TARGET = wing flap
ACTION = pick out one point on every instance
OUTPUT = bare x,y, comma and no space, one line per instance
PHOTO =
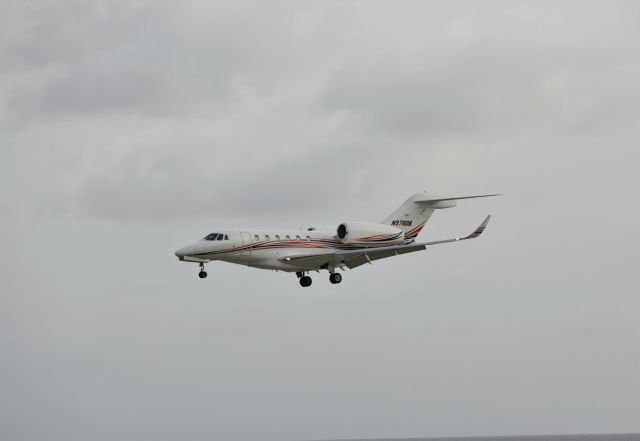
369,256
361,259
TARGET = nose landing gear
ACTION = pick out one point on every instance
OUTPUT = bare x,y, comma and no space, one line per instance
202,274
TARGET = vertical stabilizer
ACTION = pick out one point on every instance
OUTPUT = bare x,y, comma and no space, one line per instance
410,217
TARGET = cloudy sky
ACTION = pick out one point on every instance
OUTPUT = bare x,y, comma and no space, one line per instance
131,128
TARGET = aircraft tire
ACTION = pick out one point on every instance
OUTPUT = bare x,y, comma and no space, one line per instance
335,278
305,281
202,274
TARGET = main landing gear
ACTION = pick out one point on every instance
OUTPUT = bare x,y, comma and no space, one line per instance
306,280
202,274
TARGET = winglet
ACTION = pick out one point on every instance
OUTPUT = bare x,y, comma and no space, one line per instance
478,231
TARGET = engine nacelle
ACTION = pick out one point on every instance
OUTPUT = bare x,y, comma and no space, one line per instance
369,235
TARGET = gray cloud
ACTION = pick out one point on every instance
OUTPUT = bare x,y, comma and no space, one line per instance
130,129
142,58
479,77
175,187
106,58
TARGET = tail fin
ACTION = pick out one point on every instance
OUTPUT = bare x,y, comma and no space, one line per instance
411,216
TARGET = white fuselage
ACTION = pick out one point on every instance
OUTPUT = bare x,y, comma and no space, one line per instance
267,249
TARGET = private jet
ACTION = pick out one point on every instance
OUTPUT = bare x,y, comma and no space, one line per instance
349,245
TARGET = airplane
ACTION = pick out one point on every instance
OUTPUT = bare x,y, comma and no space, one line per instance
350,245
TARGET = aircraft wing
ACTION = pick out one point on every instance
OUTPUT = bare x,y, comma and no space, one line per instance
354,258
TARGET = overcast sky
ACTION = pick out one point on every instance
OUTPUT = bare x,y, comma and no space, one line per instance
131,128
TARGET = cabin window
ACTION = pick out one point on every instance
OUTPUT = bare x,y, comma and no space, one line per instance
266,237
308,238
288,237
277,237
257,237
297,237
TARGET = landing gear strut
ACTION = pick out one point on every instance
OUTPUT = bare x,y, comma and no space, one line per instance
335,278
202,274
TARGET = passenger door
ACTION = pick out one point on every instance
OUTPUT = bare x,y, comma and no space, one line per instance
246,241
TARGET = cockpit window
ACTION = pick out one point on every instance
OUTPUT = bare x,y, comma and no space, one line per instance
216,236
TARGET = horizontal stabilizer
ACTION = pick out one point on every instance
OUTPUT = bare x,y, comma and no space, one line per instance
432,201
439,199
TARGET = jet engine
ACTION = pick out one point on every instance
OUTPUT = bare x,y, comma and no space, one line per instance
369,235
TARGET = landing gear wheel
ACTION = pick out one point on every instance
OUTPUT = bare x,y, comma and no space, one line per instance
202,274
305,281
335,278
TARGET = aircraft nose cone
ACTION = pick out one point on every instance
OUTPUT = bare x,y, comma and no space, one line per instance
181,252
189,250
